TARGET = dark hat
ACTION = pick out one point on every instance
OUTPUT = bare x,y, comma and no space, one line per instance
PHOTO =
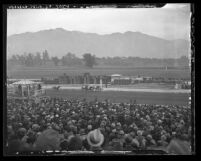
35,127
128,138
22,130
139,133
64,144
48,140
117,145
82,131
149,136
55,127
121,132
89,127
75,143
107,128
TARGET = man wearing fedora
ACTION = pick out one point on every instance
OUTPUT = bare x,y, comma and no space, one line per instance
95,139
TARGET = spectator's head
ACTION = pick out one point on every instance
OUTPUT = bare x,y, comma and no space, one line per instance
89,127
48,140
74,129
55,127
10,131
114,131
149,137
116,144
174,134
95,138
135,128
135,143
107,129
35,127
120,134
128,138
163,138
64,145
139,133
82,132
113,125
75,143
21,132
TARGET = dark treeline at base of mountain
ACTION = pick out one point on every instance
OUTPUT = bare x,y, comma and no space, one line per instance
71,60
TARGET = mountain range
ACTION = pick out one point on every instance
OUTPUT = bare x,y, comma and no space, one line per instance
59,42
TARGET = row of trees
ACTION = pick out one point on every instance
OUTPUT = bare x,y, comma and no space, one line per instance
143,62
30,59
89,60
39,59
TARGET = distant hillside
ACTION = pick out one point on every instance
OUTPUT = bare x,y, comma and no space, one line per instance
58,42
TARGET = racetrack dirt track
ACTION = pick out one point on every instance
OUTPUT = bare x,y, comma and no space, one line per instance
123,96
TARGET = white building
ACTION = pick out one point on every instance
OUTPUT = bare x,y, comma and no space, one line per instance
136,79
188,82
178,86
115,76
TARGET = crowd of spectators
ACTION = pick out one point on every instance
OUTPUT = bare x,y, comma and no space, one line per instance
66,124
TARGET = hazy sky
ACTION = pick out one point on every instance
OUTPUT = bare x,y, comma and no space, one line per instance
169,22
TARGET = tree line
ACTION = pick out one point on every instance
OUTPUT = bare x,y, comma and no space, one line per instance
89,60
40,59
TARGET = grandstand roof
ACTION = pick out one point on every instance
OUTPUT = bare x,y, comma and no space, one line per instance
116,75
24,82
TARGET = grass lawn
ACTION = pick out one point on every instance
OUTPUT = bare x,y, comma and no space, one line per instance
38,72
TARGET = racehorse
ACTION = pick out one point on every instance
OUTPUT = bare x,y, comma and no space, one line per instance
98,88
91,88
56,87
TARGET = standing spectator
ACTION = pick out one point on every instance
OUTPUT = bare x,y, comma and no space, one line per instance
95,139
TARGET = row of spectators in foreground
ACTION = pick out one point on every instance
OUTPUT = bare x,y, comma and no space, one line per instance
59,124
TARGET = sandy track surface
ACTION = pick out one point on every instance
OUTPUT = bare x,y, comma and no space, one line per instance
149,90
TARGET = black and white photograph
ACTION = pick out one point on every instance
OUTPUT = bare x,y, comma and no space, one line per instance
99,80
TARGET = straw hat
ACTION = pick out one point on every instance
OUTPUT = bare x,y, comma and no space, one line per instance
95,138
